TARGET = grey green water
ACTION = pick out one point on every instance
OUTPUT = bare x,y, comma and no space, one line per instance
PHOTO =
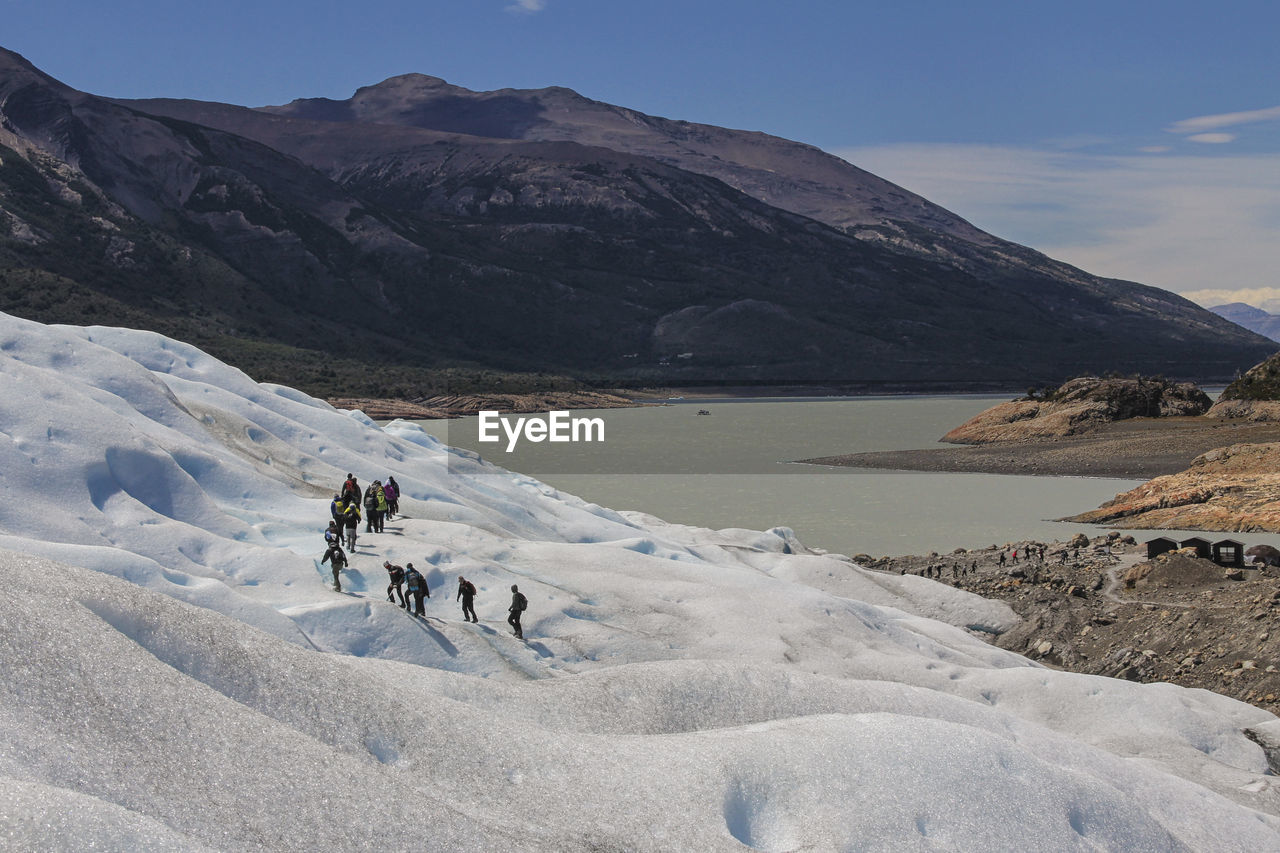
735,468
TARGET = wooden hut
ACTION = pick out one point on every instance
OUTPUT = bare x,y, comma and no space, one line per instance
1229,552
1204,548
1159,545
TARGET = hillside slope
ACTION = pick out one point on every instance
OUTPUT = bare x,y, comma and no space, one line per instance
399,245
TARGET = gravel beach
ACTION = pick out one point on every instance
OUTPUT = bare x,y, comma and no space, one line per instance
1137,449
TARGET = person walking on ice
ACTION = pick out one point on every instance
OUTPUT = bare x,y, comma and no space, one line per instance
518,605
417,586
396,575
337,558
466,593
351,519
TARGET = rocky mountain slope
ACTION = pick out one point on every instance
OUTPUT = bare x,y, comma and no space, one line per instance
573,237
1255,396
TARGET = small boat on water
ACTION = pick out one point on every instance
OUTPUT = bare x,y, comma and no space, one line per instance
703,412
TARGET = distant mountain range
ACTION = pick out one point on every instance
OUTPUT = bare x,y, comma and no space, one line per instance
1253,319
422,225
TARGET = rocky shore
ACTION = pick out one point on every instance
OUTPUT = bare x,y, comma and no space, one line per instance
458,405
1140,448
1099,606
1234,488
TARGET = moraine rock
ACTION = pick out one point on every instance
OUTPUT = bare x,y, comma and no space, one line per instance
1079,406
1232,489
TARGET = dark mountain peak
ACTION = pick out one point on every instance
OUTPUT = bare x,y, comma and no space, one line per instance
408,84
790,175
11,62
16,72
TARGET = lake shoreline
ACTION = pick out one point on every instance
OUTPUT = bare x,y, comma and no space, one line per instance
1137,449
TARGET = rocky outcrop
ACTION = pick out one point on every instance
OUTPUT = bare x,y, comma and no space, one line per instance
1079,406
1233,488
1185,620
1255,396
1246,410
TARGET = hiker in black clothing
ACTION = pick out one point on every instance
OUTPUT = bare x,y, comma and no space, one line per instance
518,605
370,510
333,536
351,518
350,490
338,559
467,592
417,586
397,580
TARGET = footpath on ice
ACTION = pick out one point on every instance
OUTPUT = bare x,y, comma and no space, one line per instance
177,661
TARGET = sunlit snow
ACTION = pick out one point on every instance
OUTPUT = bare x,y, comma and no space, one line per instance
179,674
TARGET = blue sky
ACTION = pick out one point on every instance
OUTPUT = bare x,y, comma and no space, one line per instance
1136,139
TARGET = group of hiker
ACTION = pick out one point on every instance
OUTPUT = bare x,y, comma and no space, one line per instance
381,502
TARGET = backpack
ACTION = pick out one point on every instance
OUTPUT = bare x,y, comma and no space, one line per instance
521,602
468,589
414,579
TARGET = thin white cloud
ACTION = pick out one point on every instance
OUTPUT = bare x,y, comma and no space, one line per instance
1212,138
1200,124
1183,223
1155,149
527,7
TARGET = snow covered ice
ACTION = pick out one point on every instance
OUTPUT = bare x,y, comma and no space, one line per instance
179,674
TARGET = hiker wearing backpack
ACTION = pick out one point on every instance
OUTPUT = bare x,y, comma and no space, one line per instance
350,489
392,491
518,605
380,504
467,592
337,558
417,585
350,520
396,574
336,508
370,509
333,536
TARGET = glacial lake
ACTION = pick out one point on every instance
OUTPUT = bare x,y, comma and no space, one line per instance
736,468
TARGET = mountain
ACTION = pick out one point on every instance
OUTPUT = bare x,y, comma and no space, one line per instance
181,675
1251,318
599,243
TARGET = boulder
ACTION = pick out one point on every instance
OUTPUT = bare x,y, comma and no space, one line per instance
1266,554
